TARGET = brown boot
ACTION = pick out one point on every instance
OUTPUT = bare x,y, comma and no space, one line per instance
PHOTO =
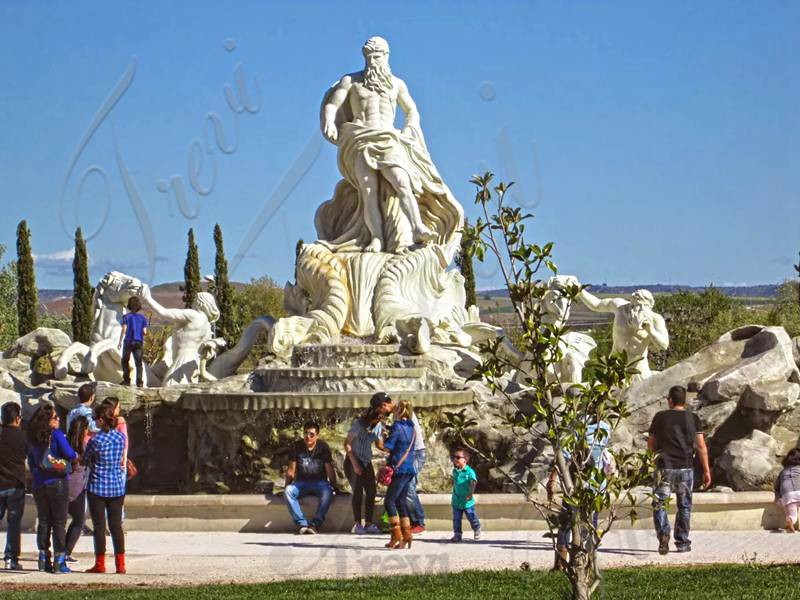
561,558
99,564
397,537
119,563
405,530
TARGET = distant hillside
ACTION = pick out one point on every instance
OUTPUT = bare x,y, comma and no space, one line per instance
749,291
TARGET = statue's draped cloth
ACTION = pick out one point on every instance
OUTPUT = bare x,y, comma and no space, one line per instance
340,221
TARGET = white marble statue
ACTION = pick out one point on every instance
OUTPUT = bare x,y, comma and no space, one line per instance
636,328
191,352
575,346
101,360
379,268
392,196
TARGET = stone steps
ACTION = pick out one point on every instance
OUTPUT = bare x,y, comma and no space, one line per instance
351,356
257,401
338,379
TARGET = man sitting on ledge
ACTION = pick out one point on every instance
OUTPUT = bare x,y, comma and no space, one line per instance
310,473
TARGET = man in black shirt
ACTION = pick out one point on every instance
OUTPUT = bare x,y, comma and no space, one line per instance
310,473
674,436
12,480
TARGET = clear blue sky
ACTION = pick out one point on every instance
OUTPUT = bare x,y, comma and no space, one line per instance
656,142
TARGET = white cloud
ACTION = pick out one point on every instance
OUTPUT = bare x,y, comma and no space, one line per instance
57,257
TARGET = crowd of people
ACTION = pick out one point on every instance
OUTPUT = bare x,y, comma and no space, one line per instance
86,466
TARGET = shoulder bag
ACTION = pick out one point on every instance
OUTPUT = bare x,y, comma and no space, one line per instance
385,473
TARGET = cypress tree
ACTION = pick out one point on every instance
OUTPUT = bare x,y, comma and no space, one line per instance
82,313
226,325
297,249
27,296
191,272
464,263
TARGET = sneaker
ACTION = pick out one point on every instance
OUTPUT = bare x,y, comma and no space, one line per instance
476,535
358,529
663,544
310,530
372,529
684,548
418,529
456,539
301,530
70,559
11,564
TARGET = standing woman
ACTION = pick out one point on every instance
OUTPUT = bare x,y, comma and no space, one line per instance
401,449
78,437
49,457
364,432
104,454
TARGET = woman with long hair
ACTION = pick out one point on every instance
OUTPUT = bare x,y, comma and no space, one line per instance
104,455
400,445
78,437
49,458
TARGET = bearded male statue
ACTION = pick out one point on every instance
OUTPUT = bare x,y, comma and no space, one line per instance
392,198
637,327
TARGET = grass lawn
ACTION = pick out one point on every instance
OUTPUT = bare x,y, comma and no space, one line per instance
717,582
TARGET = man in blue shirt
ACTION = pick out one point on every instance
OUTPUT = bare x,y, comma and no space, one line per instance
134,328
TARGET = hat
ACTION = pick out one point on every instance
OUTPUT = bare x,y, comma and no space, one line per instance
378,399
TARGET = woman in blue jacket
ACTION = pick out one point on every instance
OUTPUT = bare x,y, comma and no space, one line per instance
49,459
401,449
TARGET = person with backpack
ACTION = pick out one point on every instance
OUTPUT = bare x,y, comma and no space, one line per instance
50,458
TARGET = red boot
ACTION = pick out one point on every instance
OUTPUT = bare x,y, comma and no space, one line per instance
119,562
99,564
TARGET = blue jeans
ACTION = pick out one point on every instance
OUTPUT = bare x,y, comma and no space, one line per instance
415,509
296,490
396,499
681,482
12,502
458,513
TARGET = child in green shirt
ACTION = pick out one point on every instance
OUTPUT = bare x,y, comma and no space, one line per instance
463,499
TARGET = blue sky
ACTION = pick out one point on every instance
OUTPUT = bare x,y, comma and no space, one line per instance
654,142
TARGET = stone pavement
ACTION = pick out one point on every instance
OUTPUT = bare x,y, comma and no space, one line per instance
175,558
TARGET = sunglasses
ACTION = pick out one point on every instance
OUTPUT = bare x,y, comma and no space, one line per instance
310,434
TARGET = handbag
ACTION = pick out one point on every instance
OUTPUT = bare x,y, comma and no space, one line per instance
131,469
385,473
56,466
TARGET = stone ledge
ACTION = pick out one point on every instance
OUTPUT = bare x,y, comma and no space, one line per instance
255,513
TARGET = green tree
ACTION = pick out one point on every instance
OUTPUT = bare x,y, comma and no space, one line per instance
27,295
82,293
298,248
259,298
191,272
464,263
223,292
8,302
544,409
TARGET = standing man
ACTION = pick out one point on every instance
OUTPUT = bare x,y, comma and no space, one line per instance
12,481
310,473
134,328
674,435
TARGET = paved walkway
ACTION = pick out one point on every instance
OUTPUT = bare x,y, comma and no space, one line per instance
166,559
